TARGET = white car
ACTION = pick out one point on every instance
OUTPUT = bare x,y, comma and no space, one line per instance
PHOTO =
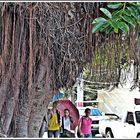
126,127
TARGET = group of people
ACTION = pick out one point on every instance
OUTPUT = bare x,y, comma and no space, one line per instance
61,126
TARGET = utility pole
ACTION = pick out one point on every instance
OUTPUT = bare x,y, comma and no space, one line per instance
80,92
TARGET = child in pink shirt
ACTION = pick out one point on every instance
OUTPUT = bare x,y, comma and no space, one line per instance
85,125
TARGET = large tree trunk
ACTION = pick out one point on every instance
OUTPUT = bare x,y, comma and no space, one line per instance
39,103
22,105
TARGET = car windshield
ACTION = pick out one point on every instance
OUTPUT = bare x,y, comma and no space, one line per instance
94,112
137,116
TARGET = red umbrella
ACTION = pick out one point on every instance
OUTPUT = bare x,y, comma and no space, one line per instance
74,113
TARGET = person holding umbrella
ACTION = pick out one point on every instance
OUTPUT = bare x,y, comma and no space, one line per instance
84,127
72,113
66,124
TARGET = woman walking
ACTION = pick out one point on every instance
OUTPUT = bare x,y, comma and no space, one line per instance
66,125
54,122
84,127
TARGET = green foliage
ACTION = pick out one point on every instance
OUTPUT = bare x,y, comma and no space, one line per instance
129,20
98,26
123,26
86,72
99,19
106,12
122,16
114,5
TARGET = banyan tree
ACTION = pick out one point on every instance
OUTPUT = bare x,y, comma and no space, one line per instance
43,47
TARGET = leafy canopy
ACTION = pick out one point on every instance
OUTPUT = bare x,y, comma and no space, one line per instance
117,16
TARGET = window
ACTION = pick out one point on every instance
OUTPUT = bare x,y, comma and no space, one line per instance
130,118
137,113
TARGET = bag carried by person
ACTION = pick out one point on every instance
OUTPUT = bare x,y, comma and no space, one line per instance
66,133
78,134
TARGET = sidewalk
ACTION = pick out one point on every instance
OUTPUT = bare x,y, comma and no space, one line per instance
46,135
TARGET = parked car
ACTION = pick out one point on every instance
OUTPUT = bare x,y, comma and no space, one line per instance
96,115
126,127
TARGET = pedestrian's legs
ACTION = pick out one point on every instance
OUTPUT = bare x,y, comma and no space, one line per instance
50,134
56,134
88,136
85,135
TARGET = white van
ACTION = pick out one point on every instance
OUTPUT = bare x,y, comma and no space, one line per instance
126,127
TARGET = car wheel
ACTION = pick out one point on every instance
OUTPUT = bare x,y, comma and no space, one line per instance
138,136
109,134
